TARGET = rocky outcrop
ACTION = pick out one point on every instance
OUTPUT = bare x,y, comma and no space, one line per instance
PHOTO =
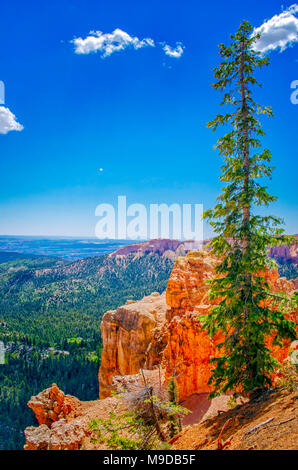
52,408
52,404
61,436
186,289
71,430
188,348
161,334
132,339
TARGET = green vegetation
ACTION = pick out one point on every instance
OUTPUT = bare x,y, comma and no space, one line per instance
175,424
288,379
147,422
26,372
247,313
48,303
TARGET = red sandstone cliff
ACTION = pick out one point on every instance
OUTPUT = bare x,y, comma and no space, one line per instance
188,348
133,338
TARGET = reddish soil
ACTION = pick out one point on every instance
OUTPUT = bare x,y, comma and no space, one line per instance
269,422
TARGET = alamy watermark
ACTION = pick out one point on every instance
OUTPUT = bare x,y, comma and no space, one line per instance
2,92
137,222
294,94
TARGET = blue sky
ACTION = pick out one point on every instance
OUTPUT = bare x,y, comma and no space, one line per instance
139,113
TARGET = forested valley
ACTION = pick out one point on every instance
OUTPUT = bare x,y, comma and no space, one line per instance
50,314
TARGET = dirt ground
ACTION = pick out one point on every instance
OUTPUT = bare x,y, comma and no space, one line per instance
266,423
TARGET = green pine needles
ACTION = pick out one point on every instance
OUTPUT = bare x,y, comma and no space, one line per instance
247,312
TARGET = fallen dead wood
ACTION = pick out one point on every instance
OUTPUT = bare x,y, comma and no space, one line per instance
221,445
255,428
283,422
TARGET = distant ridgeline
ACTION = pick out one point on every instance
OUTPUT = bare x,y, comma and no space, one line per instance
49,300
50,314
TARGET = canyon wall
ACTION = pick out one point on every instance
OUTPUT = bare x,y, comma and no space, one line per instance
188,348
167,330
132,338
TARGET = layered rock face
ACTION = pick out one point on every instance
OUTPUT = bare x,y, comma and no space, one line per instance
186,289
159,330
132,339
134,336
188,348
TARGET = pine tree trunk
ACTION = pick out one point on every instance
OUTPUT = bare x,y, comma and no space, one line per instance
246,209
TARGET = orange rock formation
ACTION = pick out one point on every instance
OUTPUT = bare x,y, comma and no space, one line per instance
52,404
61,436
188,348
134,337
131,339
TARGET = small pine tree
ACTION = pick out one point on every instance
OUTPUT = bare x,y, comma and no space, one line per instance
151,416
247,312
174,419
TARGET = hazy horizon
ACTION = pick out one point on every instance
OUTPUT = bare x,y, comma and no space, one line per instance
87,125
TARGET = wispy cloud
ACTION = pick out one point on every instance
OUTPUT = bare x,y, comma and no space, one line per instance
108,43
174,51
280,32
8,121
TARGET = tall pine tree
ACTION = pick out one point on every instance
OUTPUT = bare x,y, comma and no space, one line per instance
247,313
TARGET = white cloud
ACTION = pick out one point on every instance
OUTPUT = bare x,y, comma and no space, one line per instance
119,40
174,51
280,32
8,121
108,43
